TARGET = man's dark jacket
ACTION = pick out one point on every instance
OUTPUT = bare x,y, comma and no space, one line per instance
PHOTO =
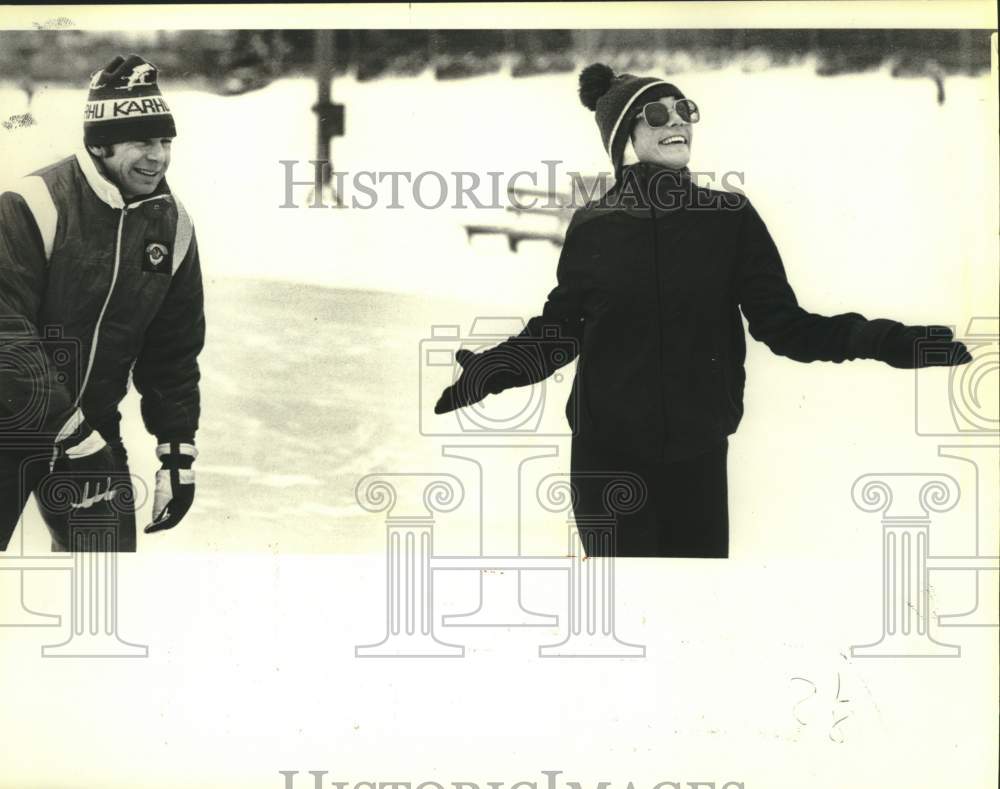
92,288
651,281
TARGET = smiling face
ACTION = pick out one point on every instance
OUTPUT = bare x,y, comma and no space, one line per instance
137,167
668,145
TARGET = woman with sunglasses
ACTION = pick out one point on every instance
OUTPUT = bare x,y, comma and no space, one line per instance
651,283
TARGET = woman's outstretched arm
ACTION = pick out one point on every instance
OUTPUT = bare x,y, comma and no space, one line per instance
776,318
549,341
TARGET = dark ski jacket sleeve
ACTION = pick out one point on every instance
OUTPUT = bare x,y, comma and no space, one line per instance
30,387
772,311
550,340
166,372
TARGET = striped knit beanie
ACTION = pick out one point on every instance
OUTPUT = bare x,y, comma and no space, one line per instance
614,98
125,104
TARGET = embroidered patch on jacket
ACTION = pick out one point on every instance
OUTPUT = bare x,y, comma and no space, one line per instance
157,258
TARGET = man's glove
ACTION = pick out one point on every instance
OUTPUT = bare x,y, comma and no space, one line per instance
477,380
174,485
895,344
76,445
87,498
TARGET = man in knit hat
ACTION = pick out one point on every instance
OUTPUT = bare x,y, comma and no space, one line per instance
651,295
100,283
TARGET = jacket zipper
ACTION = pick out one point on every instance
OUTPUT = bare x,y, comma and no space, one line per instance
659,327
107,299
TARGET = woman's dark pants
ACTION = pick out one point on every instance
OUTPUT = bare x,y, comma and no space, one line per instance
685,512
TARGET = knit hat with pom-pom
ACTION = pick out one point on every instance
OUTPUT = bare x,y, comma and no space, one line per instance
614,98
125,103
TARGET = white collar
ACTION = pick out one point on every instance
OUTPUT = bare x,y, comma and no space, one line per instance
102,187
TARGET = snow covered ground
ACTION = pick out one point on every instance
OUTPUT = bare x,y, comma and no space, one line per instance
880,200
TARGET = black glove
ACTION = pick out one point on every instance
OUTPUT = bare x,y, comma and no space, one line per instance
895,344
174,485
472,385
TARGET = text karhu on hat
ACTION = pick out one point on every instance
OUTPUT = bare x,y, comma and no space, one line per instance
125,104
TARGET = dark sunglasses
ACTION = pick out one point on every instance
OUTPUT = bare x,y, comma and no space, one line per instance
656,114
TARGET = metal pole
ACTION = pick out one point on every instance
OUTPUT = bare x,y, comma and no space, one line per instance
324,76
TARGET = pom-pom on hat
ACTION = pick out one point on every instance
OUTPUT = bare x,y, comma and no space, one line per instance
125,103
613,98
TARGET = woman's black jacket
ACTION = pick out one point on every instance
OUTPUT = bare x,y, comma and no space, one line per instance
651,281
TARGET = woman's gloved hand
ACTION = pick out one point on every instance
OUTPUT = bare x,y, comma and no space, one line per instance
472,385
895,344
